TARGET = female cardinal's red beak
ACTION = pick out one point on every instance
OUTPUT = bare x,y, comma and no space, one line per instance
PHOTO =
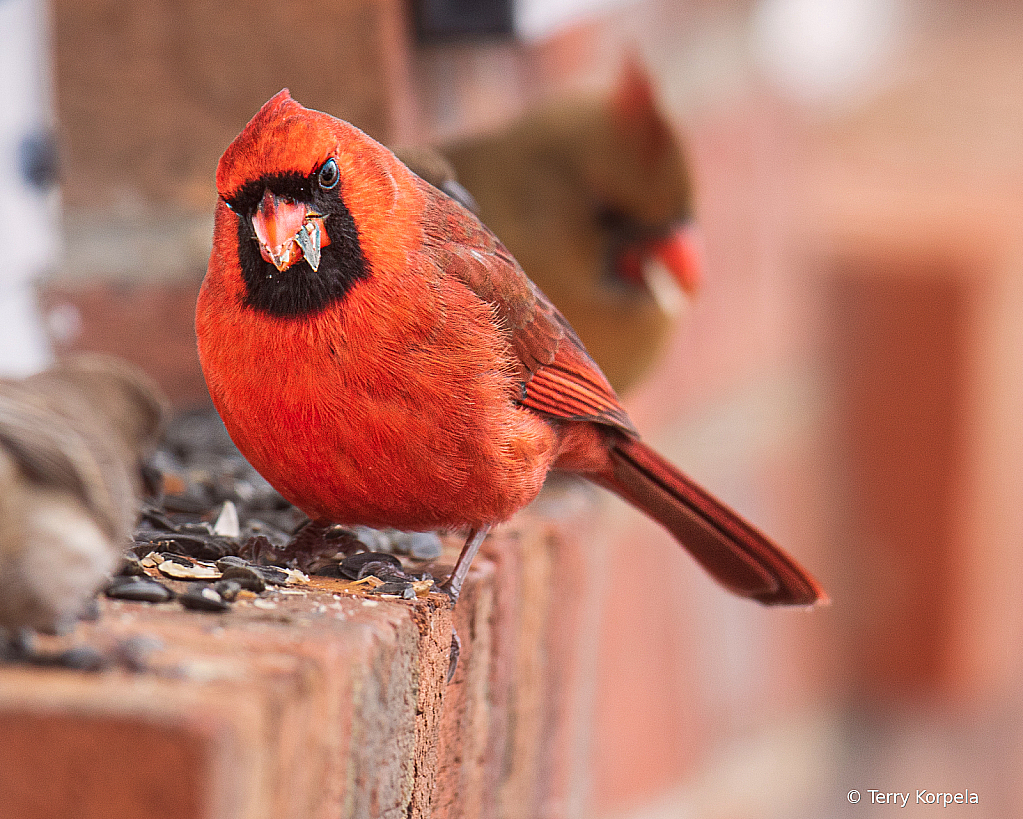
288,231
681,253
679,267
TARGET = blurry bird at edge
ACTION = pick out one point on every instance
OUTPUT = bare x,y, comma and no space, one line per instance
72,439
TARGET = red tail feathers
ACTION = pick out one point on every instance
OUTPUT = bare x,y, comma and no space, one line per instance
736,554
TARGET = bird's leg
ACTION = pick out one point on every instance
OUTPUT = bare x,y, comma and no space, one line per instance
453,585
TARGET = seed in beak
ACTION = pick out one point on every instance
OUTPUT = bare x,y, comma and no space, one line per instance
308,238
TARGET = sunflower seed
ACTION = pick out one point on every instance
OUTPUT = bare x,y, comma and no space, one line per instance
227,521
228,589
197,571
399,589
246,576
132,566
358,566
202,597
140,589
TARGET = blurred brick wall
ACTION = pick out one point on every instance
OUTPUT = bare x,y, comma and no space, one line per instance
901,348
914,210
880,445
150,93
148,96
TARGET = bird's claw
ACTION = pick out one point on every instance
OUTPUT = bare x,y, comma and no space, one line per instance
456,651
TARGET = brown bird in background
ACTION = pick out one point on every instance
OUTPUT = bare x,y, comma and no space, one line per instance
72,440
586,194
429,164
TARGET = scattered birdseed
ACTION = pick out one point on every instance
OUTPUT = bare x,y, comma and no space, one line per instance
202,597
373,540
360,565
174,557
422,587
329,570
246,576
227,524
139,589
403,590
273,574
454,653
191,571
228,589
419,545
131,566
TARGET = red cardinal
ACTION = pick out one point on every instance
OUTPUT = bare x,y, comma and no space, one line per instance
381,359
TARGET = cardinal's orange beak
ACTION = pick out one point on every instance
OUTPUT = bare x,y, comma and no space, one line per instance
288,231
665,265
681,253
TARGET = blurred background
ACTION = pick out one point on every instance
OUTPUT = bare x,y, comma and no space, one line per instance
850,376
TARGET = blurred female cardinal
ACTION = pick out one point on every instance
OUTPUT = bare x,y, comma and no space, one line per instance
593,197
381,359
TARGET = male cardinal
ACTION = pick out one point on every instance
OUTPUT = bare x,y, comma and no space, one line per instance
379,356
594,198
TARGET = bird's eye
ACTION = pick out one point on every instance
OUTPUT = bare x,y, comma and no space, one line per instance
611,218
328,175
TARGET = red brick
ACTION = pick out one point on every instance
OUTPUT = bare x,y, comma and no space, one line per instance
151,324
285,713
148,96
468,709
515,739
325,705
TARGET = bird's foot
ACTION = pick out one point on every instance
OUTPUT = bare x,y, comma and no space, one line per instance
456,650
452,587
446,588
